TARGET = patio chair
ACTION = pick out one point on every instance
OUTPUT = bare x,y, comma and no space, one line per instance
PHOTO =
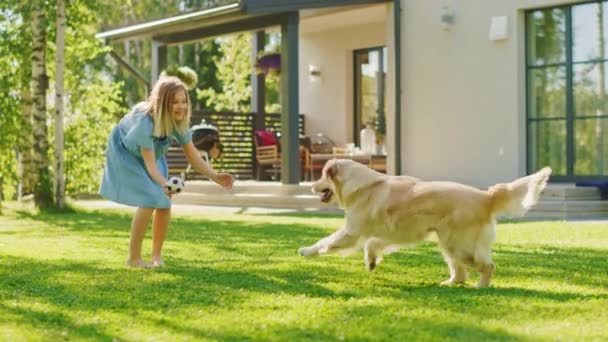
266,153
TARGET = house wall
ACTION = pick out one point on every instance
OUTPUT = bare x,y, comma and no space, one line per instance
463,99
328,103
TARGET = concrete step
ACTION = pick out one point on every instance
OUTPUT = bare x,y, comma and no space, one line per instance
556,192
298,201
557,202
249,187
570,192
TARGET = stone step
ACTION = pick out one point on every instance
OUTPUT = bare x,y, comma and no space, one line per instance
558,202
300,202
556,192
249,187
570,192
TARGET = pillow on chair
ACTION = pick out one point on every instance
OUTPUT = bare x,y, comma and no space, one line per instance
266,138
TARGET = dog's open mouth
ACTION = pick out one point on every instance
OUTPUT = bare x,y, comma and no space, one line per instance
326,195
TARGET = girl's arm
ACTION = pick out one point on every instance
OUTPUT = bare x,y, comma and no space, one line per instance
194,157
150,161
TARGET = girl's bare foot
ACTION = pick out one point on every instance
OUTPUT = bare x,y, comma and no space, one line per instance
158,263
139,263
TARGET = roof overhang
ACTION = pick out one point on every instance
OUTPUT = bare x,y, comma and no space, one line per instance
235,16
207,17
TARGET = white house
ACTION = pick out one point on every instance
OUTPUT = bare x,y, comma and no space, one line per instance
477,91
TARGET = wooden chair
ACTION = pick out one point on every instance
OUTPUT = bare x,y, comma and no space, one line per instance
177,163
266,156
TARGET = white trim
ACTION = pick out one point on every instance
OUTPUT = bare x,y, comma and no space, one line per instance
167,21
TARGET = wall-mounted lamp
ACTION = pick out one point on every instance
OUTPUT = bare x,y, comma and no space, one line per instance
314,73
447,15
499,28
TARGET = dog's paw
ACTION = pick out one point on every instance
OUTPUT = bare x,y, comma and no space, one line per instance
371,265
308,251
451,282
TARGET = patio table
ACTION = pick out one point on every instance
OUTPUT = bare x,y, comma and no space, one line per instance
373,161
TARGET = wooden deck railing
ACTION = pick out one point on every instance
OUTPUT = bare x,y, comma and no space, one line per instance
236,134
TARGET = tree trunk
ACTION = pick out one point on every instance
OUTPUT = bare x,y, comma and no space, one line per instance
26,172
197,66
59,136
43,189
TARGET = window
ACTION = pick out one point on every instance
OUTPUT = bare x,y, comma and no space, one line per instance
567,104
370,95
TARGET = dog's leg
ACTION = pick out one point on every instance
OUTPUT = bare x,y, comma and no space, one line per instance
485,267
458,272
341,240
373,252
483,255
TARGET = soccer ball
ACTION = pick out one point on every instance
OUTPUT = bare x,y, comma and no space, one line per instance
174,185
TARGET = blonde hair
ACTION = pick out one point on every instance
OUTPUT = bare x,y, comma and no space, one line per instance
159,106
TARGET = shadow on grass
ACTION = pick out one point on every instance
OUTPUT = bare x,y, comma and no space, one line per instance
54,321
111,224
580,266
85,288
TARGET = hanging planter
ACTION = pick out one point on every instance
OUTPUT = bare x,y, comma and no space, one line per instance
270,63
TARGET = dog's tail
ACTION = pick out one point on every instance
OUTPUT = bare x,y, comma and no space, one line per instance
517,197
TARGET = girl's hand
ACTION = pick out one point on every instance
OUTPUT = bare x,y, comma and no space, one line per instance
225,179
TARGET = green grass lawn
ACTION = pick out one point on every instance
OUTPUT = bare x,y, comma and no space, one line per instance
238,277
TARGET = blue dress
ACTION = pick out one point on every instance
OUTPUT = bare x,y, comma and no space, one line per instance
125,178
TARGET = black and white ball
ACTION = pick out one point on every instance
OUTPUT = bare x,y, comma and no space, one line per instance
174,185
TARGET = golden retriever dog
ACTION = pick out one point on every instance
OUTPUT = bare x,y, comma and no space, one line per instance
385,213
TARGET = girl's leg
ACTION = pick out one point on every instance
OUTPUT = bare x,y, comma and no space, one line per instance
140,223
159,233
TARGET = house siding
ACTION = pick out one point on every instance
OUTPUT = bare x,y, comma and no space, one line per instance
463,96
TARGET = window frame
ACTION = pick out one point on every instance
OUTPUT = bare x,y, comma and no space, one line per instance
570,110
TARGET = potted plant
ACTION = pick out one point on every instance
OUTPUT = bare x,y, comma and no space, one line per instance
268,62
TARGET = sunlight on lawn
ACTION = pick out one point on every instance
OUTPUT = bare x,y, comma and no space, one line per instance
238,277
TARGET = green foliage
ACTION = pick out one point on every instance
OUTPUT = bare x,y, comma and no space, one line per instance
84,146
184,73
93,101
15,68
238,277
234,70
92,98
273,80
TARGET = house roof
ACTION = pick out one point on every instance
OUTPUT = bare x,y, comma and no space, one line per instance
228,16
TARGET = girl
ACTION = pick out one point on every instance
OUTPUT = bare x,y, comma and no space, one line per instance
136,169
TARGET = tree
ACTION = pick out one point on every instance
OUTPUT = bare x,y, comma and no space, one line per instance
15,51
42,190
234,69
59,134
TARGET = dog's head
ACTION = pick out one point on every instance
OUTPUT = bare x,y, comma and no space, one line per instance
327,185
342,180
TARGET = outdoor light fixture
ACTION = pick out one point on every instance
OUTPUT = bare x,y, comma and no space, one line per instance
447,15
499,28
314,73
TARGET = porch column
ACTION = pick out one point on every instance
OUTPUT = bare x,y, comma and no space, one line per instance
397,73
290,105
258,82
159,60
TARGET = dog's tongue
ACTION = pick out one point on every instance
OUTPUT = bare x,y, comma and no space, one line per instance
326,195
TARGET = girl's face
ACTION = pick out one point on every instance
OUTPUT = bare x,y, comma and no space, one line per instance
179,105
214,152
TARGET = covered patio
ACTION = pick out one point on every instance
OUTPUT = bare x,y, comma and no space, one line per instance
257,16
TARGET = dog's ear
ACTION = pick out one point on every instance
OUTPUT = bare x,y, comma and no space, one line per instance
332,169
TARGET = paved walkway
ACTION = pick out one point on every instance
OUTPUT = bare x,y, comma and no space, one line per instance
190,209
